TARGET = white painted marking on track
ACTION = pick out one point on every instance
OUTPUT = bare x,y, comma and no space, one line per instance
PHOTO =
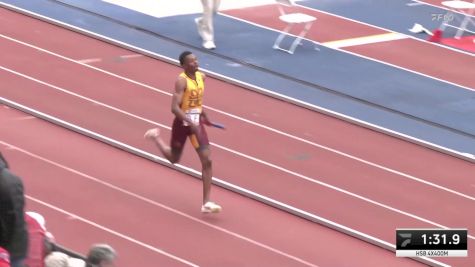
24,118
364,40
246,120
147,200
72,218
90,60
233,64
131,56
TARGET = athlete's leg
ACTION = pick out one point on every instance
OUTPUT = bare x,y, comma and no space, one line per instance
205,23
207,174
201,144
206,171
171,153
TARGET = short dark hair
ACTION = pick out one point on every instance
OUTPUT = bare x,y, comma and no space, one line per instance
182,57
99,253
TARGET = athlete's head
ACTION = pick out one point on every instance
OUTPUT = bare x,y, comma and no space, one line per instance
188,61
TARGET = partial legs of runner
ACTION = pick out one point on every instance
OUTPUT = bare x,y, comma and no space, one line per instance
172,155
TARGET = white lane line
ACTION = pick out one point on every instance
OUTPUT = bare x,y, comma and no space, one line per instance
282,169
152,202
113,232
233,116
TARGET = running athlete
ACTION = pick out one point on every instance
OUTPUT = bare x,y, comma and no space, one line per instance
189,122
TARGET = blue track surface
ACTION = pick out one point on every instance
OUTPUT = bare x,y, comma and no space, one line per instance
389,14
392,98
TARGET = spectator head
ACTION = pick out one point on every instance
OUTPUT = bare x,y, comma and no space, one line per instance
59,259
101,255
74,262
56,259
4,258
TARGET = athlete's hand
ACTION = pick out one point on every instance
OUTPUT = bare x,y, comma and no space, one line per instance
204,119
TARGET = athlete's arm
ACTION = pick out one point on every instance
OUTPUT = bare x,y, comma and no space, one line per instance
180,86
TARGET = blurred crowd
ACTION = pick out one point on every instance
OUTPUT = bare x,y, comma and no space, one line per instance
24,239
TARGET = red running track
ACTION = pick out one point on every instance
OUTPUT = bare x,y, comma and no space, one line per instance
388,186
90,192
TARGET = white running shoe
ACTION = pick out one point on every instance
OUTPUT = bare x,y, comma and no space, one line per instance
210,207
152,133
209,45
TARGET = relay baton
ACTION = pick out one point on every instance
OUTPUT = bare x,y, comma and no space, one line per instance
217,125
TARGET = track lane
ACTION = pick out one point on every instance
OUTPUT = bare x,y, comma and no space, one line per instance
47,182
65,78
130,215
389,185
370,146
79,236
82,85
271,182
316,130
